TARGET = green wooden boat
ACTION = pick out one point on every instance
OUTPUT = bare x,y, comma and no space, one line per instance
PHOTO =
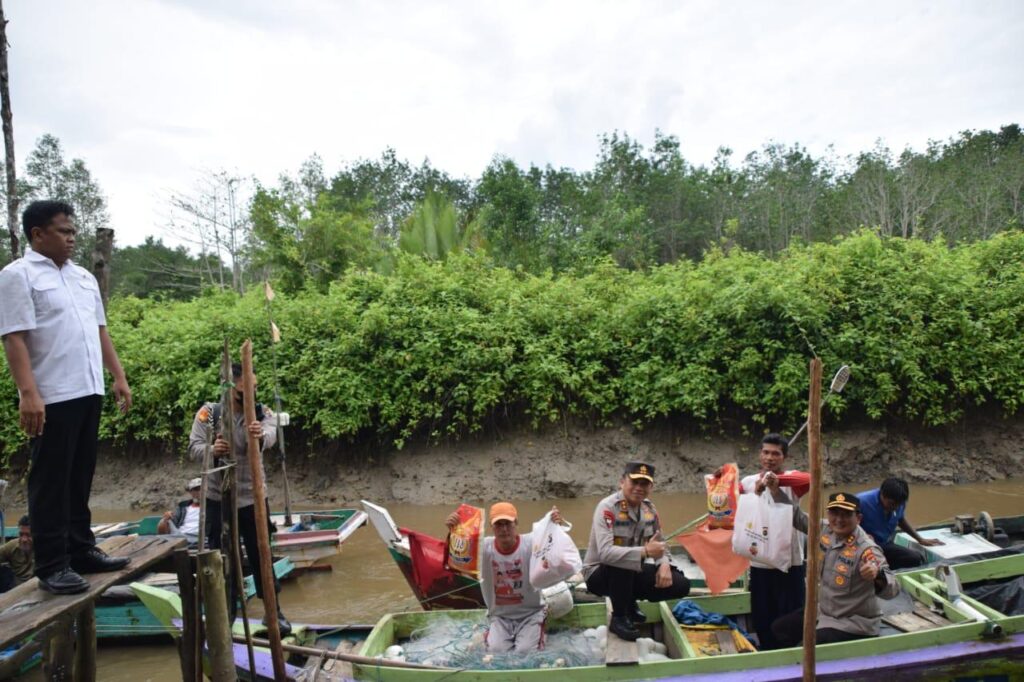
968,641
166,607
313,536
963,649
121,614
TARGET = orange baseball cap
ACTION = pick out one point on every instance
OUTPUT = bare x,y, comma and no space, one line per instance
503,511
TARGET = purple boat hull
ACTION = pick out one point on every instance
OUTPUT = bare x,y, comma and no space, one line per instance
960,659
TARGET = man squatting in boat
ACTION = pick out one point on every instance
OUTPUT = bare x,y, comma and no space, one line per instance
264,428
853,572
626,558
516,613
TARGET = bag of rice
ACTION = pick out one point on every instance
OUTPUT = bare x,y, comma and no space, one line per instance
723,496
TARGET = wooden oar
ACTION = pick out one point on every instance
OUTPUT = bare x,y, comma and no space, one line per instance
338,656
814,513
259,496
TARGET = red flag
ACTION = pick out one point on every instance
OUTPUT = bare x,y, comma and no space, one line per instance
711,548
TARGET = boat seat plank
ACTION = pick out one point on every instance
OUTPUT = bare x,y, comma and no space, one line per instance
725,642
619,651
924,612
908,622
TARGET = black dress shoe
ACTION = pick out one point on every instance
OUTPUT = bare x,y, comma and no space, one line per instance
636,616
623,629
96,560
64,581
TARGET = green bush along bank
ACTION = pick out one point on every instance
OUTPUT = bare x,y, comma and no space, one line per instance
437,349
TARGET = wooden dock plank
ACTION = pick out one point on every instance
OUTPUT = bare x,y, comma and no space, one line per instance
27,608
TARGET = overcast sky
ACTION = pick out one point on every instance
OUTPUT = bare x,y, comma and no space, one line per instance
152,92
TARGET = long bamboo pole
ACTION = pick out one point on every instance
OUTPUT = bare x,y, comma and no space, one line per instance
814,513
233,578
259,496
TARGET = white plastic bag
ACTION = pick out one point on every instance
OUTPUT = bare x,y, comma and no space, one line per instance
763,531
558,598
555,556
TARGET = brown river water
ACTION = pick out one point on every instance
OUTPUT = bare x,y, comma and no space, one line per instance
364,583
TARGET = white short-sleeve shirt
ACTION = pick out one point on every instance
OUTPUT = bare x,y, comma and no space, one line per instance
62,312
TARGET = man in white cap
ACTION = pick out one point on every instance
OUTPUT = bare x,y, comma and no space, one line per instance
184,520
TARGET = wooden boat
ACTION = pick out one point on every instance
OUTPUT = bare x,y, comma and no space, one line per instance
312,537
967,537
121,614
166,607
419,557
927,635
951,642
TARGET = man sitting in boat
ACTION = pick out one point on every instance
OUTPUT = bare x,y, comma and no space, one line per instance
515,609
16,558
884,508
626,559
853,572
184,521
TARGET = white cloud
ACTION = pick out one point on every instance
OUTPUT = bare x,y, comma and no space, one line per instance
149,93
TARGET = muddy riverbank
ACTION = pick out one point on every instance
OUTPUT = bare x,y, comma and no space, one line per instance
573,461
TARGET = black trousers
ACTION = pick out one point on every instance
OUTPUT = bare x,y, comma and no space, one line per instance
901,557
789,631
246,534
63,461
774,594
624,587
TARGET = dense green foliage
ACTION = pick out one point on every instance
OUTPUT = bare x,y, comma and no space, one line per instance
449,347
645,207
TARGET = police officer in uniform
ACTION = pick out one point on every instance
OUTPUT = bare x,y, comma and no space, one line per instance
626,558
853,573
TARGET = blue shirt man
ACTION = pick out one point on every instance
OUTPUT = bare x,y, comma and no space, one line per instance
883,510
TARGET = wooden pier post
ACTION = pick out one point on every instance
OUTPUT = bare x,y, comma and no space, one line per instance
60,652
191,663
85,648
259,496
218,628
814,513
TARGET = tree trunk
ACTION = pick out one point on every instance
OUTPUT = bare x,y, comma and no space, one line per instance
5,114
102,251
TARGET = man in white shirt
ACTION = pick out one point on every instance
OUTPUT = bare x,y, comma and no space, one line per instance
774,593
56,342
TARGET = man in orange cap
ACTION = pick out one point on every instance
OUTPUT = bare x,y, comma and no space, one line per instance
515,609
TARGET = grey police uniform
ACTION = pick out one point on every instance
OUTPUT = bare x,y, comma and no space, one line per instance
619,533
846,601
614,566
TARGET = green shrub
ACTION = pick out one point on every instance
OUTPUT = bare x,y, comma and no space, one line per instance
438,349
